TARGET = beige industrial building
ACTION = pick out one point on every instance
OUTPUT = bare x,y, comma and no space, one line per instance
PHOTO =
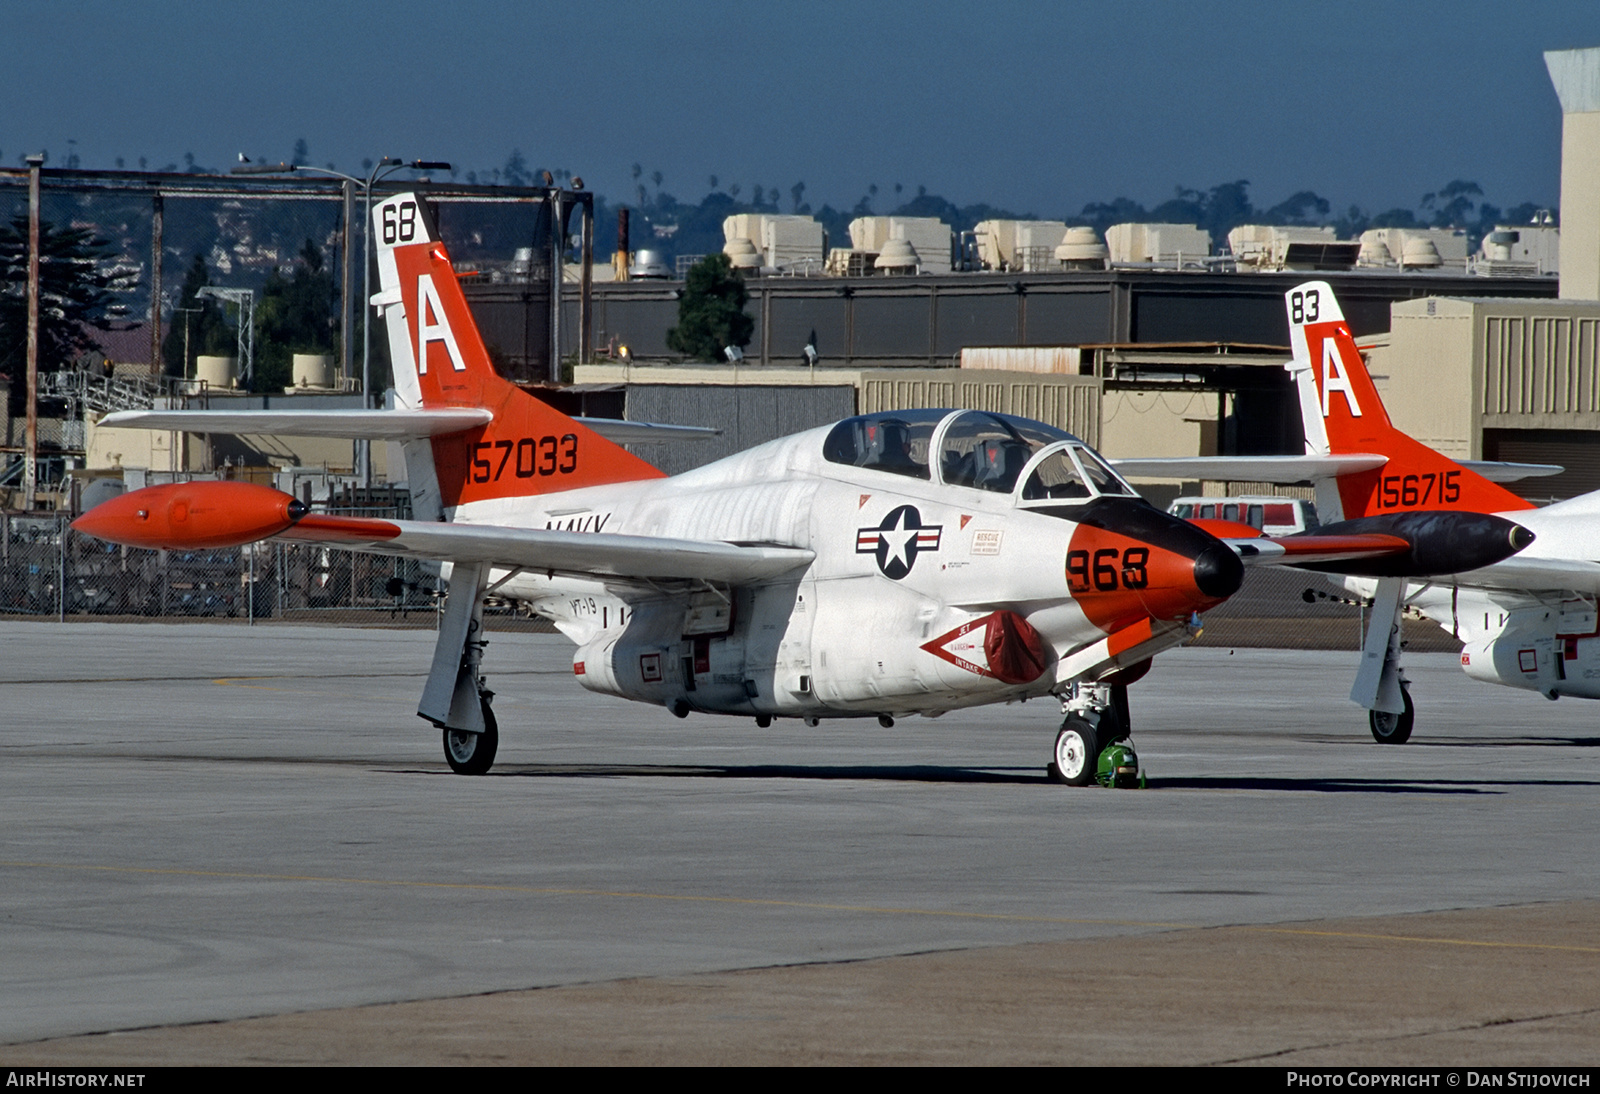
1477,376
1071,402
1137,244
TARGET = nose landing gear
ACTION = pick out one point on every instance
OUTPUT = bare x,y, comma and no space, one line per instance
1092,745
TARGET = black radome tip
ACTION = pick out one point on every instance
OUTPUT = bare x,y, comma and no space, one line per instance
1218,571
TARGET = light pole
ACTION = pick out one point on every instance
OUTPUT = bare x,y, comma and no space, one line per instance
186,313
30,456
383,167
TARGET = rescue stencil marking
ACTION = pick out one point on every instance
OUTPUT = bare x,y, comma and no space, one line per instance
986,541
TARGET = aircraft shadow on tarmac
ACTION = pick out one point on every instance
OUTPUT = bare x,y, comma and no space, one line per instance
929,773
1455,787
921,773
1505,742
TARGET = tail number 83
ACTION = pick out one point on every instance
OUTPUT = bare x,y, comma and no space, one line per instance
1303,307
1108,569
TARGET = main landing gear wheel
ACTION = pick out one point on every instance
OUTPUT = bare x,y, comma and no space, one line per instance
473,753
1076,753
1393,729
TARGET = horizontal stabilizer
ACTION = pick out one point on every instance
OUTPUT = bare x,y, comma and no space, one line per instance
1501,471
1289,469
1248,468
621,432
376,425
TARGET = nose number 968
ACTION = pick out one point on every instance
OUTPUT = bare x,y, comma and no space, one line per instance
1107,569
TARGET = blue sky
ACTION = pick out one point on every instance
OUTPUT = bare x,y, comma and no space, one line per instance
1038,107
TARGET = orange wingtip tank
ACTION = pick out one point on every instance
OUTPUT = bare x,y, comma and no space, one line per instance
191,515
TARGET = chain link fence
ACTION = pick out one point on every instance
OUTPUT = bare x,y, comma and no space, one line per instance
1295,609
49,572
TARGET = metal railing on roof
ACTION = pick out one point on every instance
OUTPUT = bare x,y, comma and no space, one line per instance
83,390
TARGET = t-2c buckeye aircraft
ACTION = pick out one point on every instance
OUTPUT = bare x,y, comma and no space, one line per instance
1525,622
900,563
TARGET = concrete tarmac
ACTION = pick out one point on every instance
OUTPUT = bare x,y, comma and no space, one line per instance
249,828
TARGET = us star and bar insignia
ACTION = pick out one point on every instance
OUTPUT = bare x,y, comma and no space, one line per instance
898,541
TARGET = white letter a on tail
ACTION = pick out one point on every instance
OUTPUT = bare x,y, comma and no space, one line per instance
432,326
1334,378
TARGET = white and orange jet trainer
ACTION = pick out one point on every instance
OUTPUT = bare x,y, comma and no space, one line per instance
900,563
1526,622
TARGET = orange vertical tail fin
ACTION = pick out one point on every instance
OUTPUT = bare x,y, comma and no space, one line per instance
440,361
1342,415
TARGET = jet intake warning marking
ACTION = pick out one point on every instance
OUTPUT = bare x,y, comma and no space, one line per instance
898,540
1001,646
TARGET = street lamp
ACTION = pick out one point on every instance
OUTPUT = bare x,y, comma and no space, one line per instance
383,167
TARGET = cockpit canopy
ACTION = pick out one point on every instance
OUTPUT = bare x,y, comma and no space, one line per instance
977,449
1070,472
896,442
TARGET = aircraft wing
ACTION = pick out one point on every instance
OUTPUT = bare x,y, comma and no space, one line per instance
1305,550
1409,544
376,425
222,514
1530,575
595,553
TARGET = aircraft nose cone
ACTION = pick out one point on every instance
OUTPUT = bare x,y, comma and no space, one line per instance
1218,572
1520,537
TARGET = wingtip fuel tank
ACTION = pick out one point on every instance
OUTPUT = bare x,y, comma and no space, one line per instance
183,516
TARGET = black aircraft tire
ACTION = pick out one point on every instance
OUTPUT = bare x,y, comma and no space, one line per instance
1393,729
473,753
1075,755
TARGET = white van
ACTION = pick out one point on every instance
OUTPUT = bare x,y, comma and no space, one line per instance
1273,516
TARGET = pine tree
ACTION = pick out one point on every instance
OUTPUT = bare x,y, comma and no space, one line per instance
711,311
73,297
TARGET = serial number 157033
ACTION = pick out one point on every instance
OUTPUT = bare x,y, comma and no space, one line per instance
533,456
